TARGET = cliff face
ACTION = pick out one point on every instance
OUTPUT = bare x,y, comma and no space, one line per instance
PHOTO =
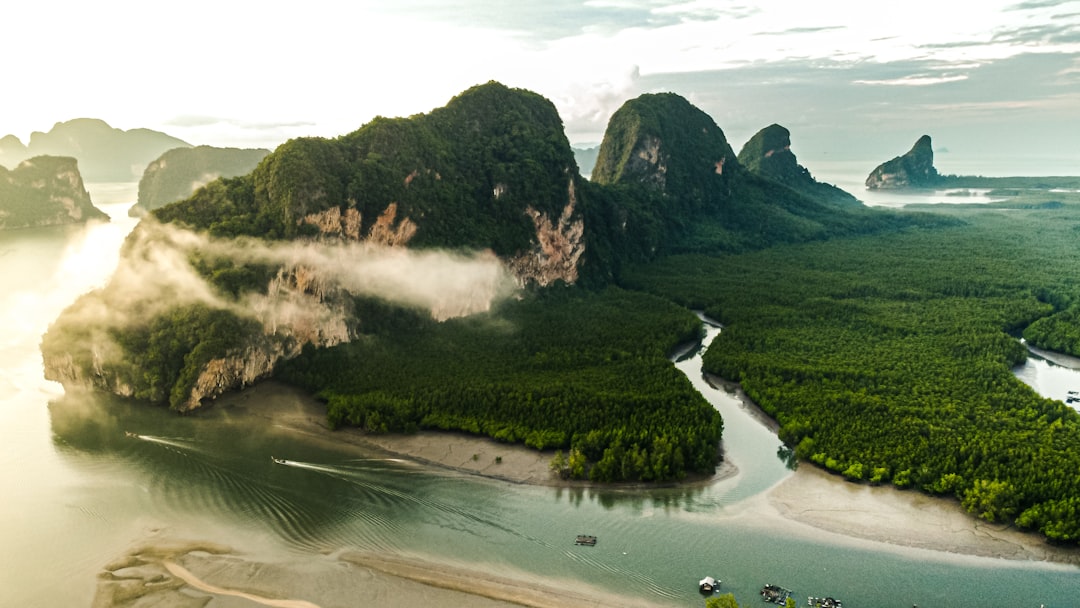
768,153
45,191
105,154
176,174
915,169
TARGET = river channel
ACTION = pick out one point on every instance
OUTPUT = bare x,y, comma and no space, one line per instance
79,491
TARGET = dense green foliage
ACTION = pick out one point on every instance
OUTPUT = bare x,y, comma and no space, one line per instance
165,352
768,154
567,369
465,174
887,359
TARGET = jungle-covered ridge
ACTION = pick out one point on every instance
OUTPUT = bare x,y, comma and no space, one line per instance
835,315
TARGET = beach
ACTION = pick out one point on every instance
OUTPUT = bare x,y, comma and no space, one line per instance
809,502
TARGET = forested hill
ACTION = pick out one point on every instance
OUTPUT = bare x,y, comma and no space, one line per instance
176,174
768,153
444,215
45,191
670,161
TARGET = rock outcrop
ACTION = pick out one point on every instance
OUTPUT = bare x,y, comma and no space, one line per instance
45,191
768,153
915,169
105,154
178,173
663,142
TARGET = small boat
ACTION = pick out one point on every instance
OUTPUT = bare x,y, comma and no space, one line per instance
824,602
278,460
775,594
708,585
582,539
129,434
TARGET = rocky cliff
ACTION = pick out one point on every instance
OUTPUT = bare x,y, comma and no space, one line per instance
768,153
176,174
45,191
915,169
105,154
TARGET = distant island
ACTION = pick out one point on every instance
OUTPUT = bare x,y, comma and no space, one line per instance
915,169
105,154
45,191
177,173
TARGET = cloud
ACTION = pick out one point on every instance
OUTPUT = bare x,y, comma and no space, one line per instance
809,30
915,80
1038,4
155,272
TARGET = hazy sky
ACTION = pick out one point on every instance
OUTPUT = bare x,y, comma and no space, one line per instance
848,78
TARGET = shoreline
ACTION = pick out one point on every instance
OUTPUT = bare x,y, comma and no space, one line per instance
168,572
810,499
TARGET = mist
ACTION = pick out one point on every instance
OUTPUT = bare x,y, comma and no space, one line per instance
155,273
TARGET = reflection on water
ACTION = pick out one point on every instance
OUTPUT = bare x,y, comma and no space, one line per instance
1052,375
88,475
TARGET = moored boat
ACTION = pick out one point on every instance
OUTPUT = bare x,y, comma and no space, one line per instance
775,594
583,539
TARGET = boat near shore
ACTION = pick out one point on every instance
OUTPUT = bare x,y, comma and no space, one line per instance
823,602
583,539
775,594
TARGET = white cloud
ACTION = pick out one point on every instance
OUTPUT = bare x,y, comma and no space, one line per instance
919,80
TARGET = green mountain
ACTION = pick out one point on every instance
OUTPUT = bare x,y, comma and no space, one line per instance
105,154
45,191
915,169
768,154
458,232
176,174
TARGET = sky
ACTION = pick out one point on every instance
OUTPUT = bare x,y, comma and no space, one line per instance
988,80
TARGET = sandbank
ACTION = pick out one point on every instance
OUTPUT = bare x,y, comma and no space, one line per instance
173,573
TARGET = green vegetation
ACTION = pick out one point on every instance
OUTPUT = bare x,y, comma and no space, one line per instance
164,353
44,191
567,369
768,154
887,359
880,341
726,600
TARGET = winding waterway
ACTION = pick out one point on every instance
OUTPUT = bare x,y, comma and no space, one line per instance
79,491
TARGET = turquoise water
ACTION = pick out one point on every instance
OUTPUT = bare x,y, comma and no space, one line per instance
79,491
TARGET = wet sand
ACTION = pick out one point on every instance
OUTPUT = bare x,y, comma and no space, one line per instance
171,573
810,502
